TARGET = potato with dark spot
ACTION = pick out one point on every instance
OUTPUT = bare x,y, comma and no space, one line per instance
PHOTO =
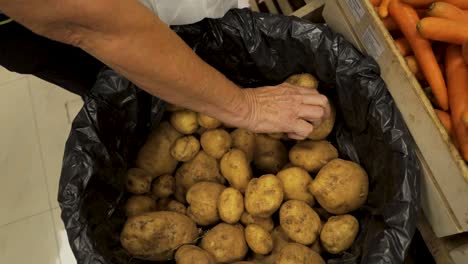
338,233
185,148
175,206
208,122
263,196
163,186
270,154
312,155
258,239
340,187
295,253
155,156
236,169
230,205
138,181
139,204
295,181
201,168
203,202
184,121
300,222
226,243
189,254
216,142
265,222
322,131
155,236
304,80
244,140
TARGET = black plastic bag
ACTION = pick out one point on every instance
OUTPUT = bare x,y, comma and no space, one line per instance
251,49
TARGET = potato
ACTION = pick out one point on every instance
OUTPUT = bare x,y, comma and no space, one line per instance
287,166
263,196
154,156
236,169
245,262
162,204
322,131
185,148
317,247
138,181
305,80
265,222
295,181
340,187
189,254
203,202
294,253
175,206
163,186
200,131
184,121
230,205
201,168
156,235
226,243
258,239
280,239
139,204
216,142
270,154
312,155
278,136
208,122
338,233
300,222
245,141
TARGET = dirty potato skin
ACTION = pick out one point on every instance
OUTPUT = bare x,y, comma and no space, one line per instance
263,195
203,202
175,206
338,233
139,204
295,181
155,236
226,243
341,186
189,254
185,148
312,155
294,253
265,222
216,142
236,169
184,121
208,122
138,181
304,80
300,222
258,239
270,154
244,140
154,156
230,205
163,186
322,131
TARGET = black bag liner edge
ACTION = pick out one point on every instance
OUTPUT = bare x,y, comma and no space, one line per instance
252,49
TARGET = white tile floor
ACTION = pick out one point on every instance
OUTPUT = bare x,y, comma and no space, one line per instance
35,119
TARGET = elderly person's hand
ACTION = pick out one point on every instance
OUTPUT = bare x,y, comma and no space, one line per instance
465,51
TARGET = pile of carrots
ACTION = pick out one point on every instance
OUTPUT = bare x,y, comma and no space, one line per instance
432,36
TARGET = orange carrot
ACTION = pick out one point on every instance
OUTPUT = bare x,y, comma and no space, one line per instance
448,11
414,67
407,18
389,23
446,121
383,8
403,46
457,80
442,29
463,4
375,2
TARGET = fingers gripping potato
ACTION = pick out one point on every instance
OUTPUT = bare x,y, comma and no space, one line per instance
163,186
300,222
338,233
203,202
341,186
294,253
156,235
154,156
322,131
230,205
312,155
305,80
208,122
265,222
258,239
189,254
216,142
226,243
138,181
236,169
245,141
184,121
263,196
139,204
185,148
270,154
295,181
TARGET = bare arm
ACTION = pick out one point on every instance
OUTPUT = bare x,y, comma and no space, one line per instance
133,41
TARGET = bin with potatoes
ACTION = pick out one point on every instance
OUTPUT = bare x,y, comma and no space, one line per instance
147,182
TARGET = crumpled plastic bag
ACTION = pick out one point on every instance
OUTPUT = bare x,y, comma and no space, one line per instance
252,49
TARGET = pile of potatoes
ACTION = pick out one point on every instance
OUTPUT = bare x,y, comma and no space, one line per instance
205,193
